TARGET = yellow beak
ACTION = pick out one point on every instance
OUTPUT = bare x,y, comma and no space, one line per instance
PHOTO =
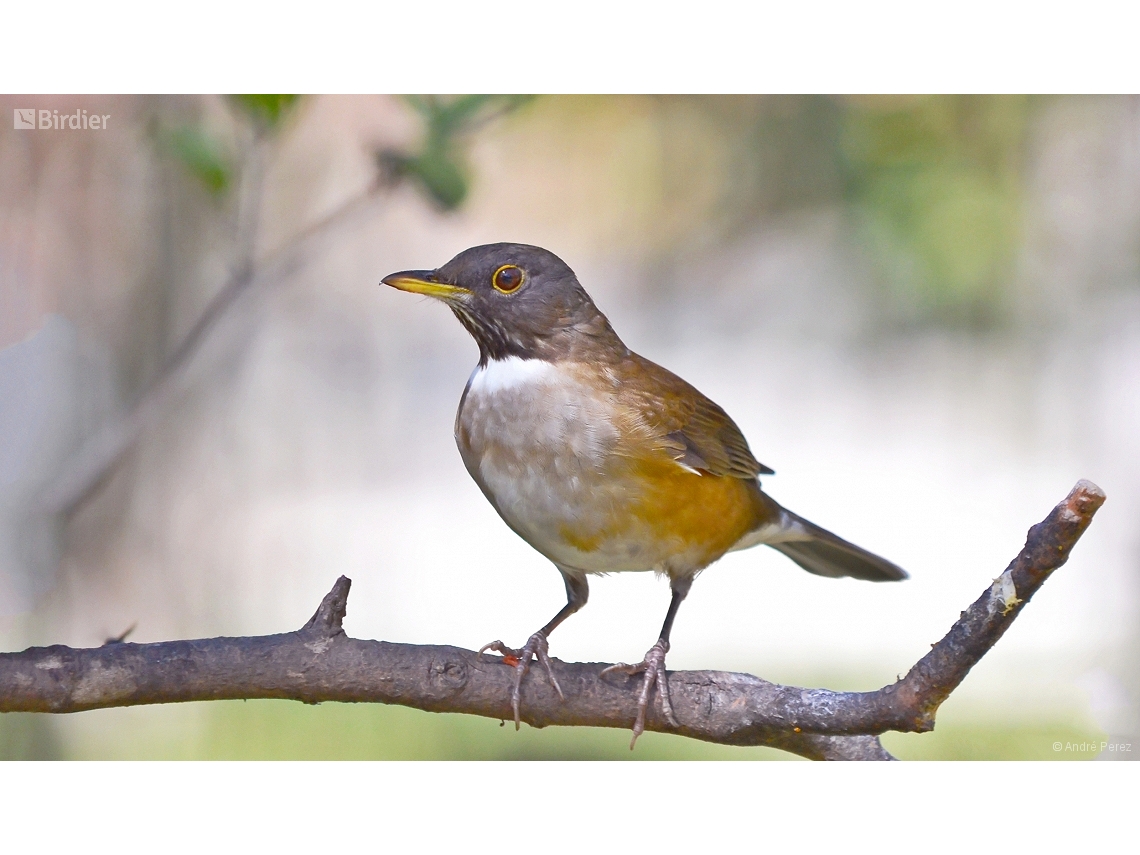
425,282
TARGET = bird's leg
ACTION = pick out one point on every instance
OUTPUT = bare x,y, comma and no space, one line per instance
653,665
577,592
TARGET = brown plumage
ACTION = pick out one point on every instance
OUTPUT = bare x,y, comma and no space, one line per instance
600,459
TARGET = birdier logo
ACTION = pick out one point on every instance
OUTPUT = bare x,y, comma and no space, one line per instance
53,120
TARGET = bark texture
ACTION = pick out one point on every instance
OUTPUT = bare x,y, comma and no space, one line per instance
319,662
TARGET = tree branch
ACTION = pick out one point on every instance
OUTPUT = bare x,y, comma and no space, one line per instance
100,452
320,663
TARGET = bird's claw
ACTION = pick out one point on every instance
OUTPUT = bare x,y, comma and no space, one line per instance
536,645
653,666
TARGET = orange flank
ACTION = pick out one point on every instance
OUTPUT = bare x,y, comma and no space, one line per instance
701,515
681,519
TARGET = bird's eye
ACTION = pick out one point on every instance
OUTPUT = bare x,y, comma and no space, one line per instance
507,279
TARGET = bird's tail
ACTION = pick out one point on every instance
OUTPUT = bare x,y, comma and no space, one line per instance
819,551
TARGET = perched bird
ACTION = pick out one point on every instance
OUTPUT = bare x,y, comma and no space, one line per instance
600,459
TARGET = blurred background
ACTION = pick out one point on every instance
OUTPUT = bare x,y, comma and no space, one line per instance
923,312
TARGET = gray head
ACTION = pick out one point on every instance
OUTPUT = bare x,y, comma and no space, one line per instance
515,300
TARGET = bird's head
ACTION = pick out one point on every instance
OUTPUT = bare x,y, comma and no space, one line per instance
515,300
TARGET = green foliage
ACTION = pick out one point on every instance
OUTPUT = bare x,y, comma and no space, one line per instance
29,736
287,730
265,111
439,167
999,740
203,155
441,176
936,187
280,730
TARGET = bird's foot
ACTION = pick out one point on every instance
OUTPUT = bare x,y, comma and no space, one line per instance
536,645
653,666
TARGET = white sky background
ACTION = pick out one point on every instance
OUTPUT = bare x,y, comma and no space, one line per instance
588,46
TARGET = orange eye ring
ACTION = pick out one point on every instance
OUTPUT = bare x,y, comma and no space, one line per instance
508,279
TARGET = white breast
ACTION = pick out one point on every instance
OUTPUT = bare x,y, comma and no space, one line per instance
535,436
500,375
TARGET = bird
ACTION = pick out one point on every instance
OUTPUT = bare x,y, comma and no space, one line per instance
600,459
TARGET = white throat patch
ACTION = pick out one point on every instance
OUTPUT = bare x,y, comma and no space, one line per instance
498,375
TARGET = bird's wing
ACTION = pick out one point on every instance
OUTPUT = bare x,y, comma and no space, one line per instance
692,429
